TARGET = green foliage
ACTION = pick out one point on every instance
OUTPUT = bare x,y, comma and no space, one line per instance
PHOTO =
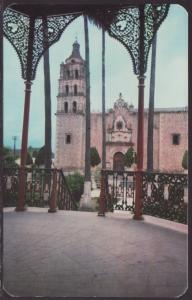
35,153
29,160
130,157
95,158
185,160
76,184
9,161
40,159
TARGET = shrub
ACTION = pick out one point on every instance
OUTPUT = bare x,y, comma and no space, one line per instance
9,160
29,160
95,158
40,158
130,157
185,160
76,184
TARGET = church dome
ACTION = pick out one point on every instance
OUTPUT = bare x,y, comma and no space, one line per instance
120,102
75,52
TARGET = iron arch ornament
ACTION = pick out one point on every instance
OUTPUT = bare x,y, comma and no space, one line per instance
17,27
126,28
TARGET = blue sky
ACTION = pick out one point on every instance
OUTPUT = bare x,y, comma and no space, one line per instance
171,75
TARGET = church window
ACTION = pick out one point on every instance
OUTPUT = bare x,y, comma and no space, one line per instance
76,74
74,106
68,73
176,139
67,89
66,107
68,139
75,90
119,125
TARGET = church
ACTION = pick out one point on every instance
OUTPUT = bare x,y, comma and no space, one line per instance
170,126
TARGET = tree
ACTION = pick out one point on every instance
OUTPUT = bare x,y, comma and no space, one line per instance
151,96
29,160
103,19
87,133
40,159
95,158
185,160
8,158
151,108
47,89
103,103
130,157
75,182
34,154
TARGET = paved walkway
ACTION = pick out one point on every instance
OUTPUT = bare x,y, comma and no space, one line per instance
80,254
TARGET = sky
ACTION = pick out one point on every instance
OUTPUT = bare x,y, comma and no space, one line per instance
171,75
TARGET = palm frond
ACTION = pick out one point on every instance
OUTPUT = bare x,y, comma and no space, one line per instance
102,18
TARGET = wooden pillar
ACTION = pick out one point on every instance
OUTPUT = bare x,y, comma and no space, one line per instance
22,177
53,198
140,127
102,198
23,156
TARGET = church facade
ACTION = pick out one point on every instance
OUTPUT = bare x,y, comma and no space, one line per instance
170,126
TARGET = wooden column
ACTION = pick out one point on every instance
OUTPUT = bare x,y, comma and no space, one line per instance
23,156
53,198
102,200
140,126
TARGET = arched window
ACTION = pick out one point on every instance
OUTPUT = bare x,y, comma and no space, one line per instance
74,106
119,125
76,74
67,89
75,90
66,107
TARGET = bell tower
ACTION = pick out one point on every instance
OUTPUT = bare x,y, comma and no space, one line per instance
70,115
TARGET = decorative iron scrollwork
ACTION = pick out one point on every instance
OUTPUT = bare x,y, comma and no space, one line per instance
164,196
120,190
38,187
16,30
126,29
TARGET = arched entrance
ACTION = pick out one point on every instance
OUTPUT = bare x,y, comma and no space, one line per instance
118,161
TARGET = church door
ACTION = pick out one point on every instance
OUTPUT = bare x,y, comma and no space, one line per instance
118,162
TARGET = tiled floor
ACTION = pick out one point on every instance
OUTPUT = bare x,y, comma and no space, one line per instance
80,254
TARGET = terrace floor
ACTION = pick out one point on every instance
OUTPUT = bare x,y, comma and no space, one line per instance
72,253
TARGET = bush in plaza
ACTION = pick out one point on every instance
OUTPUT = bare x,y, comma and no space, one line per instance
95,158
40,158
76,184
130,157
185,160
29,160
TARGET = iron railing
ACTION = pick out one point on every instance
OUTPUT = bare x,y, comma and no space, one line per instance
164,195
38,188
120,190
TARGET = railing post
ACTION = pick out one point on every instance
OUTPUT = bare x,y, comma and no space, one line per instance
102,198
138,196
53,198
